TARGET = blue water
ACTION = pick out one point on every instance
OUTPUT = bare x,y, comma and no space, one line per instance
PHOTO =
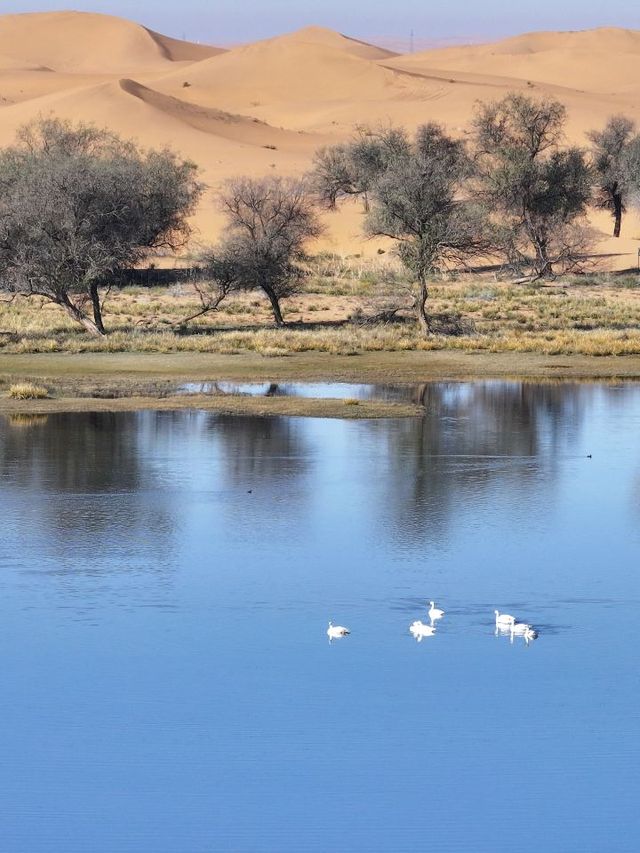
318,390
166,578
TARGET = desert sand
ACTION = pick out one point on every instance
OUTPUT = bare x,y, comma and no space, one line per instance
264,108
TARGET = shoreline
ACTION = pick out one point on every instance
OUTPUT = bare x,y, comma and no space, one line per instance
221,405
112,382
366,367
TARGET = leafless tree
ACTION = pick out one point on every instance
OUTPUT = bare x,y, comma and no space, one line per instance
270,222
77,204
212,284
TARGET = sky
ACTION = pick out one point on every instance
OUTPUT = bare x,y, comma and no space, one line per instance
438,21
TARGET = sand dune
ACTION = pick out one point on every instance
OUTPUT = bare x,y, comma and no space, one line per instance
154,119
27,85
605,60
176,50
238,128
264,108
320,36
290,77
10,63
81,42
461,91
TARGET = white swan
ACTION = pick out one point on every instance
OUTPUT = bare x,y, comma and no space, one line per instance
435,612
334,632
419,630
522,629
503,619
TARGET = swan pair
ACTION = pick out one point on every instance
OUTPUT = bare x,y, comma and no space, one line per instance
507,623
420,630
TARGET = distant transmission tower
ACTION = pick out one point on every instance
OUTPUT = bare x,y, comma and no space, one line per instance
411,44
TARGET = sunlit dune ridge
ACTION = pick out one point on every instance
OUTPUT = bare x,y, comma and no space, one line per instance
264,108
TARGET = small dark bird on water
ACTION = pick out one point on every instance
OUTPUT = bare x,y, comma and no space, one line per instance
589,456
249,491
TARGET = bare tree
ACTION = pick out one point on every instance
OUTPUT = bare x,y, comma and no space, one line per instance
217,278
417,198
612,153
77,204
537,190
270,222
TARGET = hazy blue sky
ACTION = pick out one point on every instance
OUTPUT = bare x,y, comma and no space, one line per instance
224,21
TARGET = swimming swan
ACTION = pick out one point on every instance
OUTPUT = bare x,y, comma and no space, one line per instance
419,630
334,632
435,612
522,629
503,619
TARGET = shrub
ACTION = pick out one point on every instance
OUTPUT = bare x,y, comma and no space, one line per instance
27,391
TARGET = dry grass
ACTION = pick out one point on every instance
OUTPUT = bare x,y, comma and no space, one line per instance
27,391
27,421
596,316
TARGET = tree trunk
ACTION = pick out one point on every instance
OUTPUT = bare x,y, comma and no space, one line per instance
421,306
275,305
79,316
617,214
544,267
97,308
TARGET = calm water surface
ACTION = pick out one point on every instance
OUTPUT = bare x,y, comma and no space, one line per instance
166,683
319,390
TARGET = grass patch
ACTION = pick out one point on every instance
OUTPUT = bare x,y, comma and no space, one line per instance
27,391
594,315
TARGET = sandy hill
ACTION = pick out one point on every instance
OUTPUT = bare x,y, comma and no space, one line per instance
311,66
137,111
243,130
330,38
312,79
176,50
605,60
87,43
264,108
21,85
9,63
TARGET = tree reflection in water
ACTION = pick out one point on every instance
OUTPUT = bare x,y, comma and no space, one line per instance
474,437
79,486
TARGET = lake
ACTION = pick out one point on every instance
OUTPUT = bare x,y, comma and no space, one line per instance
166,581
